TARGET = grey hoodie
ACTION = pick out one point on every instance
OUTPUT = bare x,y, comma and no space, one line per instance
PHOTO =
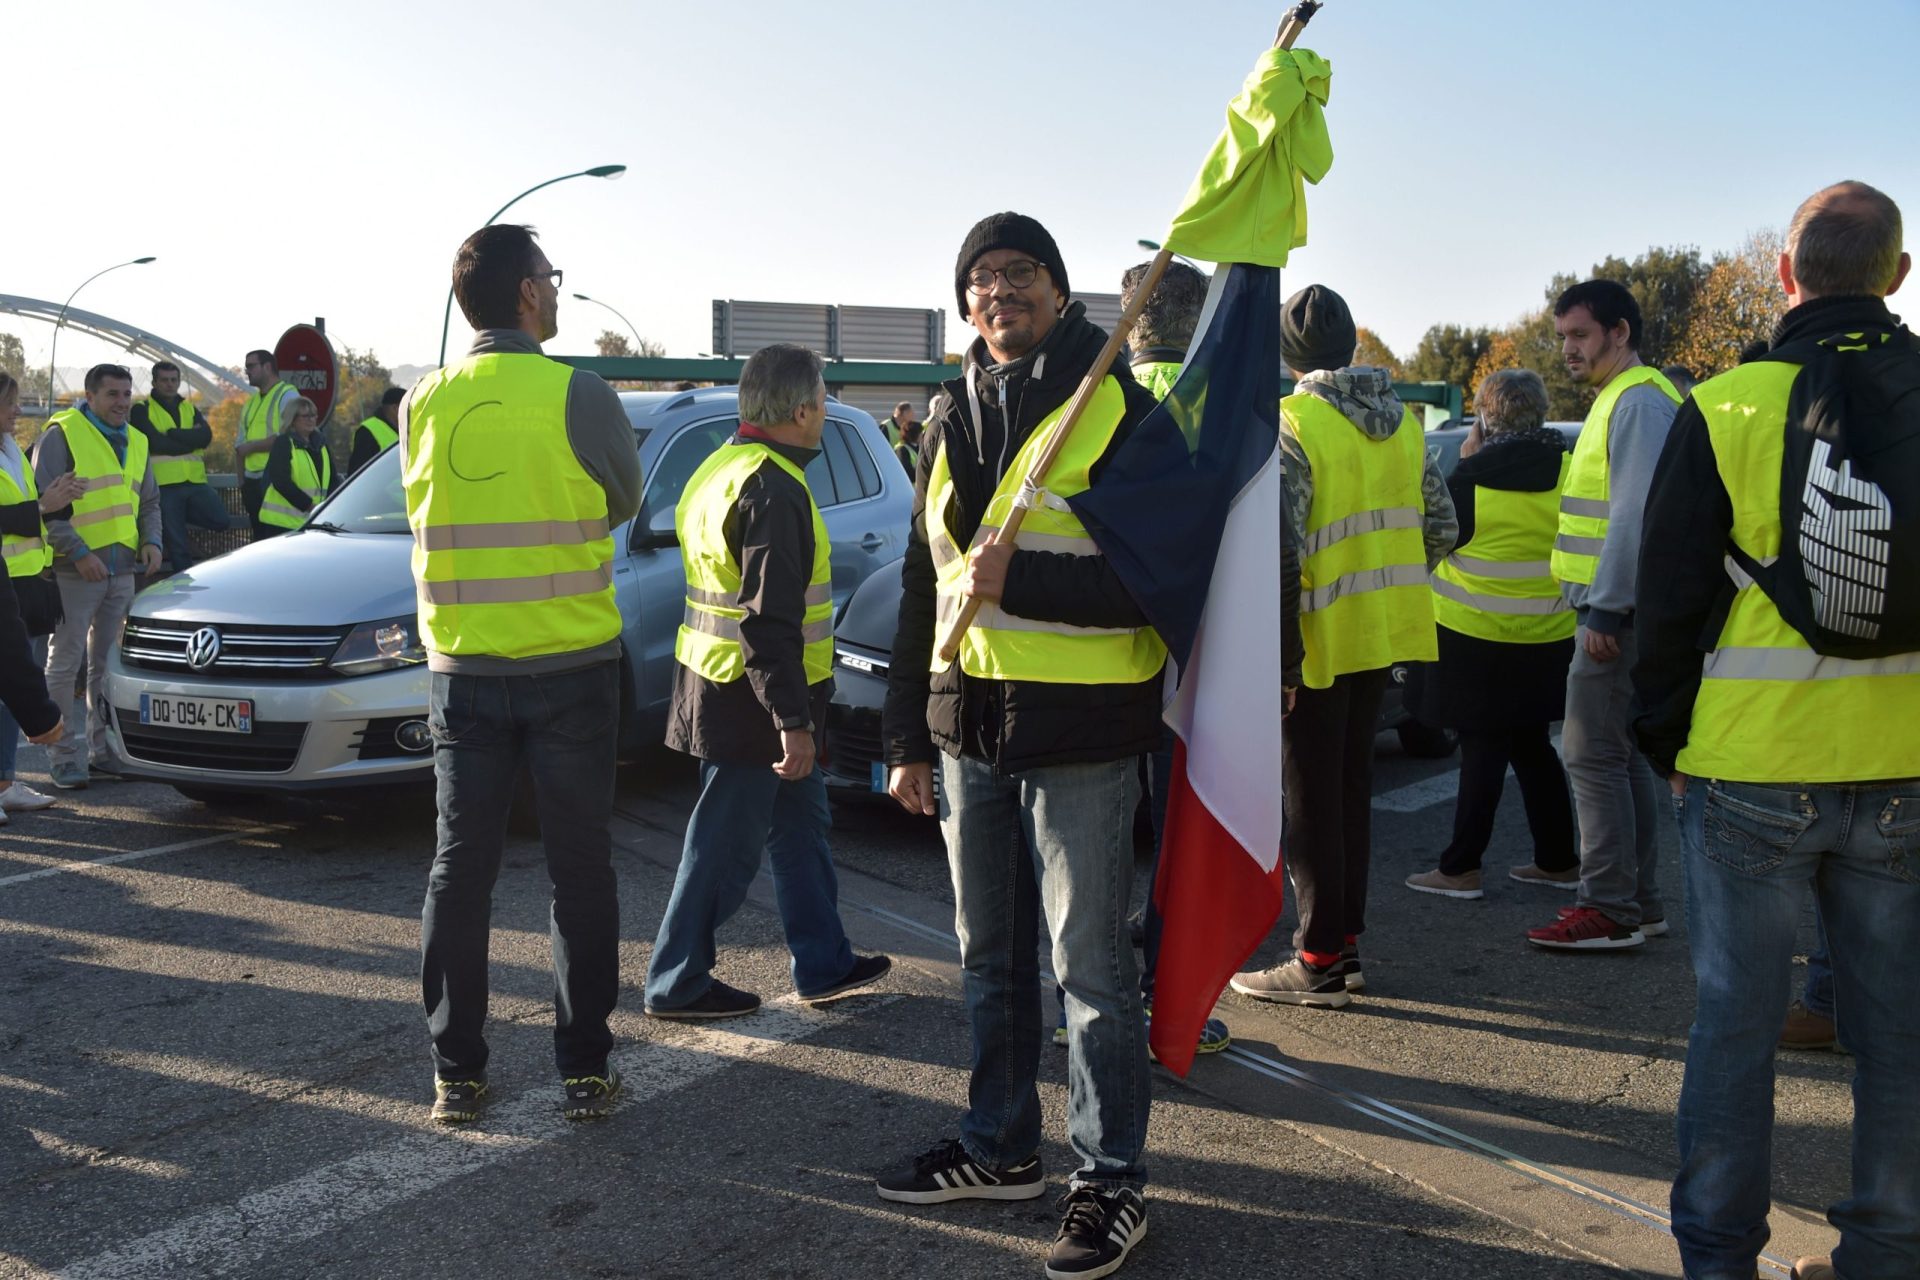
1364,396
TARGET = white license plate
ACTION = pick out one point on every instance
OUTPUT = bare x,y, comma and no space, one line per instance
176,711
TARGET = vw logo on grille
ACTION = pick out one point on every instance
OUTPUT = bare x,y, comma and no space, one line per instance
203,648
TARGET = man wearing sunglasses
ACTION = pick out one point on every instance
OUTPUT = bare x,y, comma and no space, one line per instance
1037,729
517,469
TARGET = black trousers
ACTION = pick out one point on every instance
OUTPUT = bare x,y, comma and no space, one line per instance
1328,778
253,492
1484,757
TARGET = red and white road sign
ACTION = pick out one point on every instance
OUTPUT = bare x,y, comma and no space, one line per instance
306,360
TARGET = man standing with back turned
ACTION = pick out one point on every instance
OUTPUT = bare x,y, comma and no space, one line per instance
517,468
1596,556
1791,490
1040,724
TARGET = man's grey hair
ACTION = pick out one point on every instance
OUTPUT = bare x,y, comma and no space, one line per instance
1510,400
1681,377
777,382
1845,239
290,409
1172,310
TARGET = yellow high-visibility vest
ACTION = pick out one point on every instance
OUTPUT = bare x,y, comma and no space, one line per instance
383,434
512,554
108,513
1364,597
260,420
315,482
709,638
1500,585
1003,646
181,468
1587,496
1157,376
25,557
1770,709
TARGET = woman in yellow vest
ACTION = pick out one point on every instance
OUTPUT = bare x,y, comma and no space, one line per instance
1506,639
32,594
299,469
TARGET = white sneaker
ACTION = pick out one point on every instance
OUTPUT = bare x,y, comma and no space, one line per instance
22,797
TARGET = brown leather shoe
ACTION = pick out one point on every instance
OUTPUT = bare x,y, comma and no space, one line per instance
1815,1269
1806,1029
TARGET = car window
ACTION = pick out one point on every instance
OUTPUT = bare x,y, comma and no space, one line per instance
373,501
851,454
678,463
827,488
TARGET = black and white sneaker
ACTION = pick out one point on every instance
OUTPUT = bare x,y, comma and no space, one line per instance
948,1173
590,1097
1098,1232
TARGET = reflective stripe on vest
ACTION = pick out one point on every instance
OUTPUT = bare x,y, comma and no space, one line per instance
1770,709
1000,645
1364,602
383,435
1500,586
276,510
1585,499
25,557
708,641
179,468
260,420
504,515
107,514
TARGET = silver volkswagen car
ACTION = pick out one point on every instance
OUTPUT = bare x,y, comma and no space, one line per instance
295,664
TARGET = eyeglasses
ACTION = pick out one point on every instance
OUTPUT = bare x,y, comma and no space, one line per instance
555,276
1018,275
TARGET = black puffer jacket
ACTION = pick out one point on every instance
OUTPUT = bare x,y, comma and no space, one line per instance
1016,724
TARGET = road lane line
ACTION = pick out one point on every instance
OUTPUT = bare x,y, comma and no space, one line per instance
1406,1121
114,860
226,1239
1415,796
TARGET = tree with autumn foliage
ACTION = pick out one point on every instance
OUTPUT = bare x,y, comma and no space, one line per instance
1737,305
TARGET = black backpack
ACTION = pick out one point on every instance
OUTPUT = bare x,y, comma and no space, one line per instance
1848,574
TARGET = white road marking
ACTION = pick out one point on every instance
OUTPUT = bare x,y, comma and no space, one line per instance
227,1239
136,855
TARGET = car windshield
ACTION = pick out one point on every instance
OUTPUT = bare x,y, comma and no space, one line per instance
374,500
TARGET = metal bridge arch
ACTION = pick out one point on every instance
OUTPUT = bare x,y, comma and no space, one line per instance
207,376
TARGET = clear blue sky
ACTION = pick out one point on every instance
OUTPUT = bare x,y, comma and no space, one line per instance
837,152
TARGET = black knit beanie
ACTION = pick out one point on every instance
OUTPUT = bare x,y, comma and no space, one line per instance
1008,231
1317,331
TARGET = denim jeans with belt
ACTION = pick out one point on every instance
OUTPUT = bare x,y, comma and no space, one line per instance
1059,839
1751,854
562,728
745,811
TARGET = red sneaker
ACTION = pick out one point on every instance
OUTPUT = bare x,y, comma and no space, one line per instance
1586,929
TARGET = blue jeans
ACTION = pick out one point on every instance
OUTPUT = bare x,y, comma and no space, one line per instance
562,729
9,727
188,504
1058,839
1818,996
743,811
1751,853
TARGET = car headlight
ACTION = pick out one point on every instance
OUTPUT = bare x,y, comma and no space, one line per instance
379,646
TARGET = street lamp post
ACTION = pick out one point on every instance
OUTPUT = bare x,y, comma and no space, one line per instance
598,171
1153,246
53,350
639,343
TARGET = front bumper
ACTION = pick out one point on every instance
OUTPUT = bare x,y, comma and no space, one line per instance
308,735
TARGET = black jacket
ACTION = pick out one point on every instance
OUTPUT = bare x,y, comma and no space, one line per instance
280,467
1684,589
1016,724
22,688
172,444
365,449
770,533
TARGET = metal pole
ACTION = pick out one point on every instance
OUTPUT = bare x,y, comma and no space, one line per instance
598,171
639,343
53,348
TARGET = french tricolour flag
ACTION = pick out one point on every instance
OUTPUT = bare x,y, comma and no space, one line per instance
1188,513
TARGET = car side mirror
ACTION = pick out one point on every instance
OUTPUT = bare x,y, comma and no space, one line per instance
659,532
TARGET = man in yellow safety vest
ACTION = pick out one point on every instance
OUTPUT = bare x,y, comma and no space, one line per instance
379,430
1596,553
1795,769
516,470
177,440
112,535
262,418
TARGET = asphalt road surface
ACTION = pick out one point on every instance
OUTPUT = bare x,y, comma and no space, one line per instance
213,1063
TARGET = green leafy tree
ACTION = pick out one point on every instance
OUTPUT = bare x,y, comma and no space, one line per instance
13,356
1448,353
613,343
1664,282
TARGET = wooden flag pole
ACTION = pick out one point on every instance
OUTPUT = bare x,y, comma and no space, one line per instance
1296,22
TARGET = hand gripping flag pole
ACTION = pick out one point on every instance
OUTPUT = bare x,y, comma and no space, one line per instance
1290,31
